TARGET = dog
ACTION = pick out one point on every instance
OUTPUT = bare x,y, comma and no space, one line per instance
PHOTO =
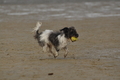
58,40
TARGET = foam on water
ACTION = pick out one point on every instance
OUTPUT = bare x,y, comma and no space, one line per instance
18,13
93,15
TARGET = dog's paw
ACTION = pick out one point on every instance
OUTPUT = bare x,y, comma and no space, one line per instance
56,55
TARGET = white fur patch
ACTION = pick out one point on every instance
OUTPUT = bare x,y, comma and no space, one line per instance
63,41
45,34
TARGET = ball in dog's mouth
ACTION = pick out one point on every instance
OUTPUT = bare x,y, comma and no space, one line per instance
74,39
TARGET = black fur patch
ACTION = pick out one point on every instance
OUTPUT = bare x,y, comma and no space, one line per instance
54,39
37,36
65,31
73,32
69,32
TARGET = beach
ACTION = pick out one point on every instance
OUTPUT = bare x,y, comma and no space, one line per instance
94,56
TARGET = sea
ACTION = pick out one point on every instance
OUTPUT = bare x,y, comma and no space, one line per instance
34,10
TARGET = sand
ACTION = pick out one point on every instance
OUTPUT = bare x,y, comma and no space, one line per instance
95,56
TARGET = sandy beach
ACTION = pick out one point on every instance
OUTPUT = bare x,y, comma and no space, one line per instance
95,56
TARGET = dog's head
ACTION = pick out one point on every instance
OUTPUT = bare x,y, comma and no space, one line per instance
70,33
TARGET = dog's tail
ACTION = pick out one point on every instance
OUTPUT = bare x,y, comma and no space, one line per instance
36,29
38,25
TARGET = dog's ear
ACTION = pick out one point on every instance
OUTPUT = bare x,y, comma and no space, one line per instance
64,29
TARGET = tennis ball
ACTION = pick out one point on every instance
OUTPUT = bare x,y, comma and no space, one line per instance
74,38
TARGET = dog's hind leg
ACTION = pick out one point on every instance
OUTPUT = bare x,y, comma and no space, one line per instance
50,50
45,47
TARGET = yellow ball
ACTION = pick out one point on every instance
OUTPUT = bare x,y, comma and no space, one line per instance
74,38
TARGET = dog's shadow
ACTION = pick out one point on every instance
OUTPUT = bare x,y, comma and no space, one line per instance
58,58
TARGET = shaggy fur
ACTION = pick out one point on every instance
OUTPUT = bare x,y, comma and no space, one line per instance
58,40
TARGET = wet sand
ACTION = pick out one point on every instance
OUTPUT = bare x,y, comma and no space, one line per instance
95,56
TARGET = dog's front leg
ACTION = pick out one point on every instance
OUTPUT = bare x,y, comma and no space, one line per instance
50,50
56,52
66,52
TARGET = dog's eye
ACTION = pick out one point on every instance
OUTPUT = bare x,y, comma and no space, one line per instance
72,30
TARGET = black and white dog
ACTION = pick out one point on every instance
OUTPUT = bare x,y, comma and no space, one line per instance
58,40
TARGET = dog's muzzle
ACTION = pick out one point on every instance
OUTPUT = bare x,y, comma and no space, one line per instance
74,38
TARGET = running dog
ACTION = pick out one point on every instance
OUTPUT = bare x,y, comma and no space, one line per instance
58,40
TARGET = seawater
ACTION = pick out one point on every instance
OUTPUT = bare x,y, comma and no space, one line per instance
57,11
